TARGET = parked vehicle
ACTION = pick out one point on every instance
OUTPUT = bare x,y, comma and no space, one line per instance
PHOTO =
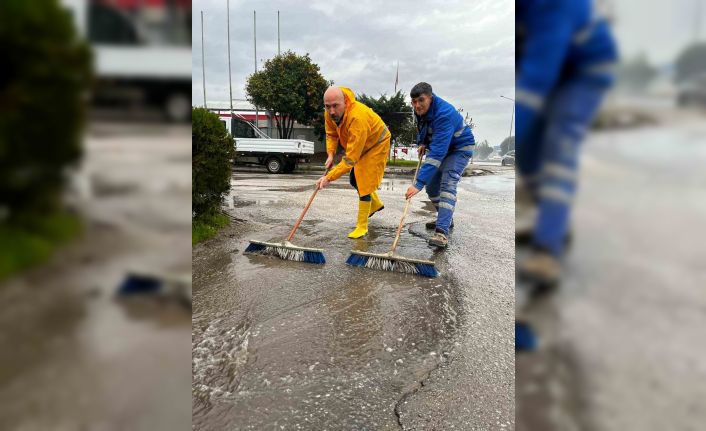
142,53
494,158
508,159
692,92
253,146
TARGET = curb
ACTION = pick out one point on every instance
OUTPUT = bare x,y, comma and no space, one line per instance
471,171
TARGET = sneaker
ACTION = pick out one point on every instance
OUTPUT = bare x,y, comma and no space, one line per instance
524,236
439,240
542,269
432,224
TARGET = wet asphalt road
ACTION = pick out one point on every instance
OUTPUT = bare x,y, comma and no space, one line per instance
73,355
287,345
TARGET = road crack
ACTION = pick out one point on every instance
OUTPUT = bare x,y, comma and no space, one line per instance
416,385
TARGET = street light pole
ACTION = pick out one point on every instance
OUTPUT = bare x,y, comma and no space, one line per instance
254,33
512,119
203,65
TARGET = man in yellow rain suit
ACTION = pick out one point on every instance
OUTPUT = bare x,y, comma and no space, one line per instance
366,141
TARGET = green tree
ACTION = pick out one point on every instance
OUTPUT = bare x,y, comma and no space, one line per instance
212,151
45,76
483,150
507,145
637,73
691,62
291,87
394,111
407,135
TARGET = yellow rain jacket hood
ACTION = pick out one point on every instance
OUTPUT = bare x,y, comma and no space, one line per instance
366,140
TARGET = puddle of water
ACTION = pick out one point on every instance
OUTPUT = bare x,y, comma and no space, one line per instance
326,345
291,189
237,203
302,342
390,184
500,183
221,345
104,188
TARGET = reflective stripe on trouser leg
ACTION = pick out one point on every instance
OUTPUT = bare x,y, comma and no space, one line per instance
451,170
571,111
556,195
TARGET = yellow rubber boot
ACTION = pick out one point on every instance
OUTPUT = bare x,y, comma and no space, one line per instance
376,204
362,226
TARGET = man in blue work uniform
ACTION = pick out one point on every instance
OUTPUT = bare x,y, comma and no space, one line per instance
566,55
448,143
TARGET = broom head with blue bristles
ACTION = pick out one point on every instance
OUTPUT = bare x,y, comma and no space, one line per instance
392,262
287,251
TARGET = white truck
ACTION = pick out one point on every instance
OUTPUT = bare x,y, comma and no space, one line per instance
142,52
253,146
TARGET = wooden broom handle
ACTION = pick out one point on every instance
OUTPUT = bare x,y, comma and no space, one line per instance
306,208
301,217
406,208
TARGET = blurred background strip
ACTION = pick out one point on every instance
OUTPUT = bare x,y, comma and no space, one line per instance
617,340
95,183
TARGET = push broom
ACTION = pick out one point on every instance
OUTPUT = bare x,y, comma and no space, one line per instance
285,249
390,261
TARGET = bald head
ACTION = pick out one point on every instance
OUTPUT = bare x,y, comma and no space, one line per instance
333,93
335,103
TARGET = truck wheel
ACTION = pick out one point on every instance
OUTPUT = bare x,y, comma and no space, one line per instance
177,108
274,165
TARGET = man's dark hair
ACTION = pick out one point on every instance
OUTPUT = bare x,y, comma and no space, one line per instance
419,89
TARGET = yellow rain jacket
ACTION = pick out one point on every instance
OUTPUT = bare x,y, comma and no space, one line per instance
366,140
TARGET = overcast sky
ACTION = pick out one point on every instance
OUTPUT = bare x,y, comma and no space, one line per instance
659,29
464,49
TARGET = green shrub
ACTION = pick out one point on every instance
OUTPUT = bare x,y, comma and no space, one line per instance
45,77
691,62
44,83
212,152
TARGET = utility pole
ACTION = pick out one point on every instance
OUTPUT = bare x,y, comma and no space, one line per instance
254,31
203,65
278,48
512,119
230,83
697,18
